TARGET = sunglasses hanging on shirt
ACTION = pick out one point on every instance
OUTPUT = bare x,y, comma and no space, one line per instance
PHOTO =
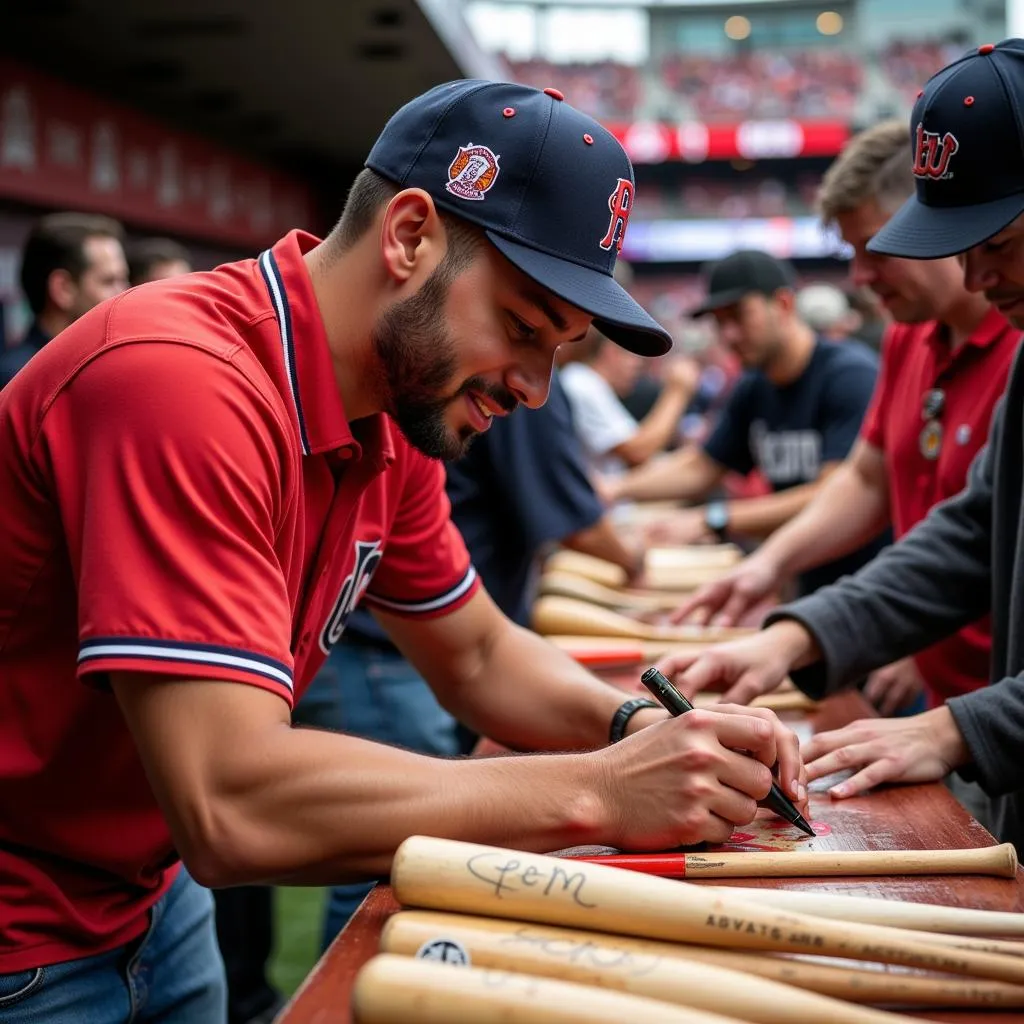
930,440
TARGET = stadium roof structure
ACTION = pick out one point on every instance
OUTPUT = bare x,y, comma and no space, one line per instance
304,84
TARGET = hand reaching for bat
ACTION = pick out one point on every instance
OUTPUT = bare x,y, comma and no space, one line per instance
726,601
685,526
745,668
921,748
685,780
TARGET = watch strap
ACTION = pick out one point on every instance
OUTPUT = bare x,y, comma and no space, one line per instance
621,718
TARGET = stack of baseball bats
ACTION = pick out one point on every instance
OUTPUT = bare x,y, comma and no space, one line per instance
581,596
495,935
584,608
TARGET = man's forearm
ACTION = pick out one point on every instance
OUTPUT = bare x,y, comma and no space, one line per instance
682,475
277,816
526,694
602,541
843,514
529,695
761,516
657,428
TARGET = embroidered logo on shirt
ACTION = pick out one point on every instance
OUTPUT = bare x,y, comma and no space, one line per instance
473,171
368,556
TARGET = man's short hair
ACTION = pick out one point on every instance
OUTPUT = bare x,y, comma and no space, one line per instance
874,165
369,192
57,242
143,256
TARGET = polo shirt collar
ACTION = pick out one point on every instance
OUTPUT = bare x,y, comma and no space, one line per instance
319,411
992,326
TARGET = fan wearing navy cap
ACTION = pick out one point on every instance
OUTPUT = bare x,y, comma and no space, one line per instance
794,415
203,477
966,558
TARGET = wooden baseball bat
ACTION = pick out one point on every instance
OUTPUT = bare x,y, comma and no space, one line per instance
564,584
393,989
587,567
924,917
562,615
444,874
677,569
675,562
612,952
1000,861
711,556
631,965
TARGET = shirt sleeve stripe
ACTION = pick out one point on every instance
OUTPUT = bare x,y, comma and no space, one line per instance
201,654
432,604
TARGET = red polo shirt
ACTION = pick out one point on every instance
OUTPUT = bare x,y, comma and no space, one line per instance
182,494
916,358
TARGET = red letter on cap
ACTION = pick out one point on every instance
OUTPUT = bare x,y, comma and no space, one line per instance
620,202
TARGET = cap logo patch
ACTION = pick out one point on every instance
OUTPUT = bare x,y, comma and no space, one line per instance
473,171
932,153
620,202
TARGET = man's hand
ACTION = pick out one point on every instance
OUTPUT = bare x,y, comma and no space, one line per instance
687,526
894,687
745,668
683,374
922,748
728,599
605,487
683,781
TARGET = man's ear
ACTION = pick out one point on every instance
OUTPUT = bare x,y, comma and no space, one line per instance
412,237
785,298
61,289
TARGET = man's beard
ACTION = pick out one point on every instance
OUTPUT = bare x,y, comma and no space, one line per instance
417,361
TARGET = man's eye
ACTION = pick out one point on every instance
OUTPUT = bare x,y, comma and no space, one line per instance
521,327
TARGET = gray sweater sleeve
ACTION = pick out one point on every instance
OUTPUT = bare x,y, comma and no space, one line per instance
991,721
931,583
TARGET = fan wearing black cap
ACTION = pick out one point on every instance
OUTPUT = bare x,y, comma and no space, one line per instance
794,415
966,558
203,477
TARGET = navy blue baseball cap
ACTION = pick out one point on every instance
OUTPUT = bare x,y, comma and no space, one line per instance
552,189
746,272
967,137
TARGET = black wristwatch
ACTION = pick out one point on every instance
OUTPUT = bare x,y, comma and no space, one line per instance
625,713
716,518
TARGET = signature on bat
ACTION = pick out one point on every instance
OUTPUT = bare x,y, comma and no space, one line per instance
584,953
507,874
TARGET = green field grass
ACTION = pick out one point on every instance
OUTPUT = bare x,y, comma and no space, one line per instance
299,916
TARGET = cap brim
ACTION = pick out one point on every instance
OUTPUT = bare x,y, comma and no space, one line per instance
719,300
920,232
616,314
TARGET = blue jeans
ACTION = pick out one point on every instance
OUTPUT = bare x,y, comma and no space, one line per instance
376,694
171,975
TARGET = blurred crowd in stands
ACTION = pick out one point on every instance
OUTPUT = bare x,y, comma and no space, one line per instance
908,65
701,193
813,84
809,84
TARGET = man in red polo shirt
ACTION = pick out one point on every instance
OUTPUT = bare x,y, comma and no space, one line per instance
202,479
944,365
